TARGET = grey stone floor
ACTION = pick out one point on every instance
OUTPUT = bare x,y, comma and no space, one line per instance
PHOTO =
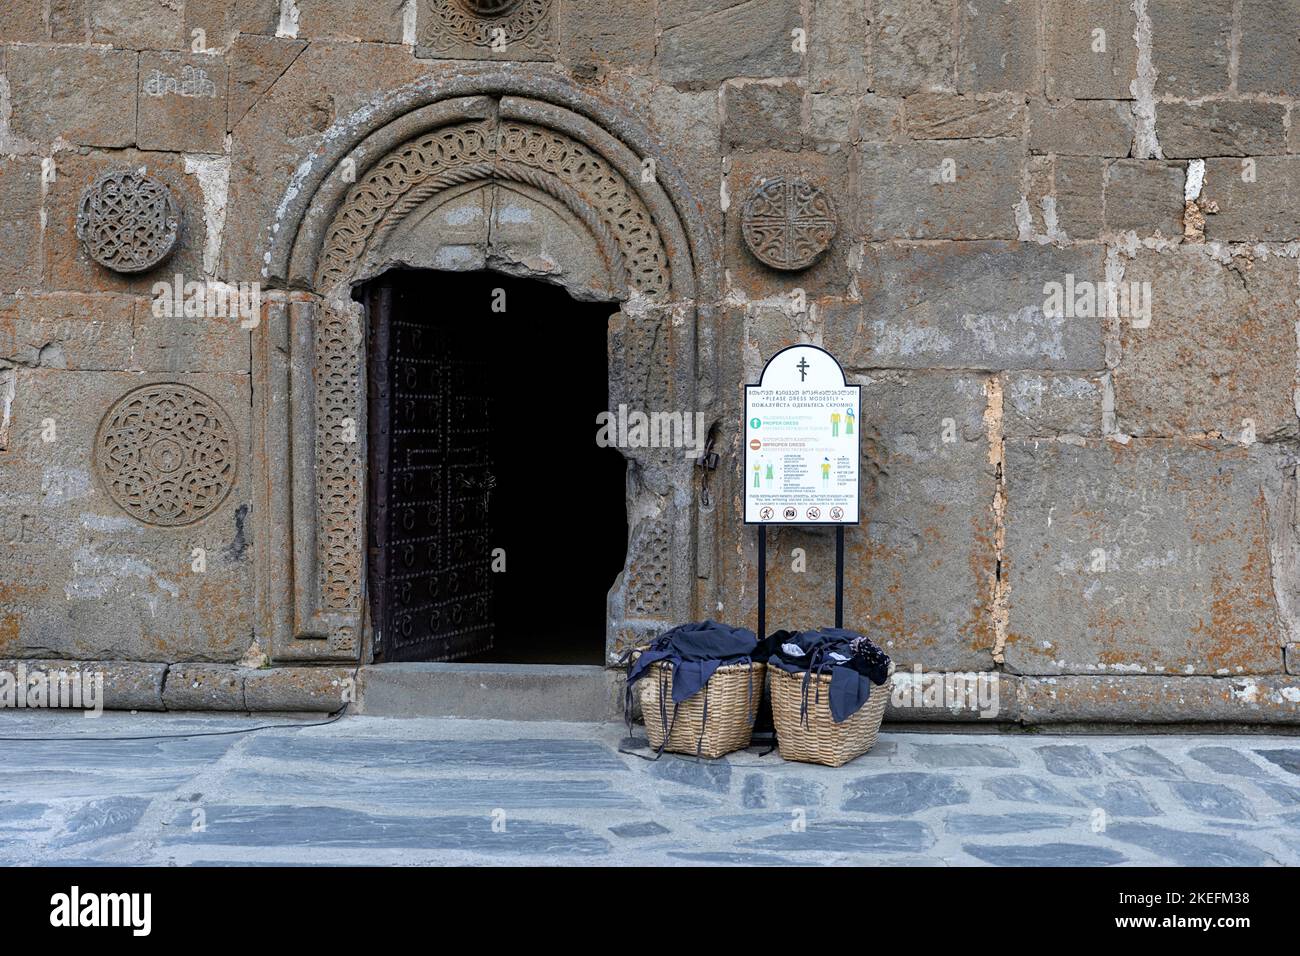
383,791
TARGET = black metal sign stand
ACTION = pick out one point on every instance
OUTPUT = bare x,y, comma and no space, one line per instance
762,579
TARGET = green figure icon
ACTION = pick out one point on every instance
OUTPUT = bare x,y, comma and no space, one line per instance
835,424
756,476
848,421
770,474
826,471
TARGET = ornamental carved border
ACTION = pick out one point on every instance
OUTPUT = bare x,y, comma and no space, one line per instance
488,25
410,175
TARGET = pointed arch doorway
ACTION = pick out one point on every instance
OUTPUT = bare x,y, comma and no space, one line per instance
482,452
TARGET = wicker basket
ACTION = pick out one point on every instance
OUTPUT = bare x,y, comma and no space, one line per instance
733,693
823,741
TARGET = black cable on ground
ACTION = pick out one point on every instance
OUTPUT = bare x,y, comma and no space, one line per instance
202,733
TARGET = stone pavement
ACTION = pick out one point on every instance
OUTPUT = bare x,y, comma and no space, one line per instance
384,791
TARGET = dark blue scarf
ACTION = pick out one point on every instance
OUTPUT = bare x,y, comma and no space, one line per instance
854,662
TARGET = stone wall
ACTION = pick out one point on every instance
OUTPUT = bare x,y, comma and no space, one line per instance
1095,498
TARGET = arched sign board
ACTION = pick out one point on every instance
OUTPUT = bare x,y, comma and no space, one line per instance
802,441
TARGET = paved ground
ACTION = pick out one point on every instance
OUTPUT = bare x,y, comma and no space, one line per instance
374,790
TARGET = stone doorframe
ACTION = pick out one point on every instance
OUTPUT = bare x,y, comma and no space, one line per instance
368,199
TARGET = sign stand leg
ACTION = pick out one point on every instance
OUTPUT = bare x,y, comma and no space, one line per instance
839,576
762,581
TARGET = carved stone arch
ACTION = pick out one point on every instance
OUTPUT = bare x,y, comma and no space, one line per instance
367,200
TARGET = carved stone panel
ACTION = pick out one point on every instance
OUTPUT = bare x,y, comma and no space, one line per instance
788,223
127,221
167,454
486,29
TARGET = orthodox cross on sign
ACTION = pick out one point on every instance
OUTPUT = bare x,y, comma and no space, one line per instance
803,369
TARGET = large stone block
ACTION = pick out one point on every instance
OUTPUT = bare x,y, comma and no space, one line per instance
752,39
979,305
83,96
1081,128
1266,57
997,46
965,189
1221,128
378,20
68,266
67,330
944,116
253,64
598,34
1219,353
912,46
1148,557
125,685
20,222
299,688
182,102
179,343
837,46
1080,187
1136,698
919,570
1036,404
223,21
86,580
1255,198
762,116
1191,44
138,24
22,21
1091,49
1145,197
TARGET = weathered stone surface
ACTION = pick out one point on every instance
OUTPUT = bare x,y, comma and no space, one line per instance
125,590
712,775
1213,800
941,190
67,330
997,46
1218,355
878,118
904,793
1191,46
1070,760
1266,58
1288,760
518,755
204,687
68,21
1020,788
832,118
944,116
112,816
635,831
762,115
1160,700
837,45
138,24
379,20
1124,798
918,574
20,226
1141,557
973,305
1045,854
721,41
912,46
1254,198
1091,51
1187,847
22,21
1081,127
869,837
597,34
1038,405
1080,196
253,64
298,688
165,343
182,102
1145,197
124,685
82,96
753,795
1221,128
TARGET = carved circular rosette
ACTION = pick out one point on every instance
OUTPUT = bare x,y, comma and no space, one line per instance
128,221
488,8
167,454
788,223
485,23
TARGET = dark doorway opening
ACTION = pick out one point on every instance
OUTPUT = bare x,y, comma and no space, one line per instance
497,524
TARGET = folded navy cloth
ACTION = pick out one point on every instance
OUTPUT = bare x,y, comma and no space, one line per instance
695,652
854,662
